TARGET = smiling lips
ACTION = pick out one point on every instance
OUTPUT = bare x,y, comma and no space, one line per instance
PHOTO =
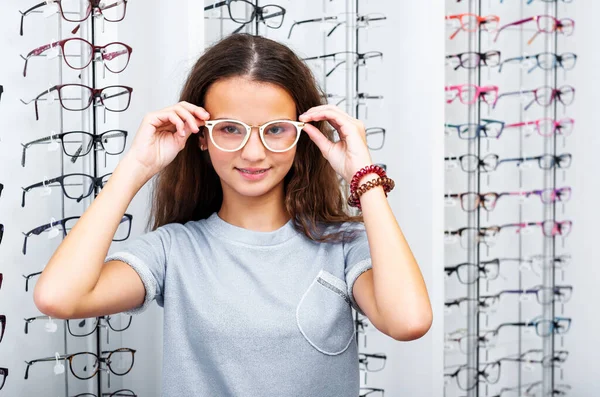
253,170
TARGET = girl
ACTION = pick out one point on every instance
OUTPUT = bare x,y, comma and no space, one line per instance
252,255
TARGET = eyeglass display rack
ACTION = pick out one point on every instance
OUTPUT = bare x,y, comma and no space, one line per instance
490,351
87,120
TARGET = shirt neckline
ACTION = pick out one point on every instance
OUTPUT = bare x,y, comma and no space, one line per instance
247,236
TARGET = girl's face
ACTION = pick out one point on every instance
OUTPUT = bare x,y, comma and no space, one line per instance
254,103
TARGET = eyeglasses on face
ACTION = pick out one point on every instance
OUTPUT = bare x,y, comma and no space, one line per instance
544,61
472,60
547,126
231,135
486,129
472,22
357,58
77,144
75,186
75,97
469,273
545,24
244,12
79,54
468,94
114,11
544,95
86,365
66,224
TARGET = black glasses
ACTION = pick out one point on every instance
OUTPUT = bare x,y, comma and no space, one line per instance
471,163
29,276
1,232
471,60
2,326
371,392
67,224
87,326
74,186
358,58
244,12
118,393
544,61
543,328
1,189
468,273
487,129
76,97
78,143
1,91
467,377
86,365
72,12
3,376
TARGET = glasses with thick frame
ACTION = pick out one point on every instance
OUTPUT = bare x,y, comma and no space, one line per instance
545,24
488,128
544,95
68,223
76,186
469,273
489,163
111,12
231,135
3,376
1,91
85,358
470,201
83,327
77,144
468,94
114,98
84,52
544,61
271,15
1,234
472,22
360,58
472,59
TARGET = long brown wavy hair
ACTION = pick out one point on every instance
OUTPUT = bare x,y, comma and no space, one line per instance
189,189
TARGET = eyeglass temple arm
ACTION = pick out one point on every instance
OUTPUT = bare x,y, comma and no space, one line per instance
514,59
26,145
24,14
42,183
39,360
309,21
215,5
522,21
27,277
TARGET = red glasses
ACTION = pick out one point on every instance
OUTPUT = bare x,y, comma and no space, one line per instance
547,126
545,24
472,22
469,93
79,53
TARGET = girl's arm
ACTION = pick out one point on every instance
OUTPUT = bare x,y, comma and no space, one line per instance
76,283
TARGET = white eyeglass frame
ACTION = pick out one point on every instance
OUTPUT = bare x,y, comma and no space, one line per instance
209,124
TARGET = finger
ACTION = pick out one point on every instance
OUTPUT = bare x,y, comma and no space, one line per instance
188,117
197,111
169,117
337,119
315,135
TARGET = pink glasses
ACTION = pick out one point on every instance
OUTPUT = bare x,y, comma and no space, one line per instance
79,53
545,24
472,22
469,93
548,126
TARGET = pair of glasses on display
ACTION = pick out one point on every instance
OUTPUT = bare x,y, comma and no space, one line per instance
365,21
74,186
79,54
86,365
545,24
86,326
535,388
544,96
28,277
76,97
471,201
371,392
243,12
468,94
77,144
53,229
472,59
467,377
544,61
489,128
472,23
489,163
78,11
356,58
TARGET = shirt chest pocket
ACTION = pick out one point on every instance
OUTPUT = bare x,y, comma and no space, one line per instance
324,314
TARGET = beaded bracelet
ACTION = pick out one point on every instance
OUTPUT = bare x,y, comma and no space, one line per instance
387,184
369,169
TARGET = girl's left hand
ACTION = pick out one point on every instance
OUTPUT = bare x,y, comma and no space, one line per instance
350,153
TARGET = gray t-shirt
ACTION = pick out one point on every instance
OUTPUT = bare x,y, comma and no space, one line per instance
250,313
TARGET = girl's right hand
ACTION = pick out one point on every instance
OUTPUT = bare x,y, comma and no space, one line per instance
163,134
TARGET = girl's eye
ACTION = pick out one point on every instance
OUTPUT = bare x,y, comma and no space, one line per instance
275,130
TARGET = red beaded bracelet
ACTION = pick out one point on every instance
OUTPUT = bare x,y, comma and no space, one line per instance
356,192
369,169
